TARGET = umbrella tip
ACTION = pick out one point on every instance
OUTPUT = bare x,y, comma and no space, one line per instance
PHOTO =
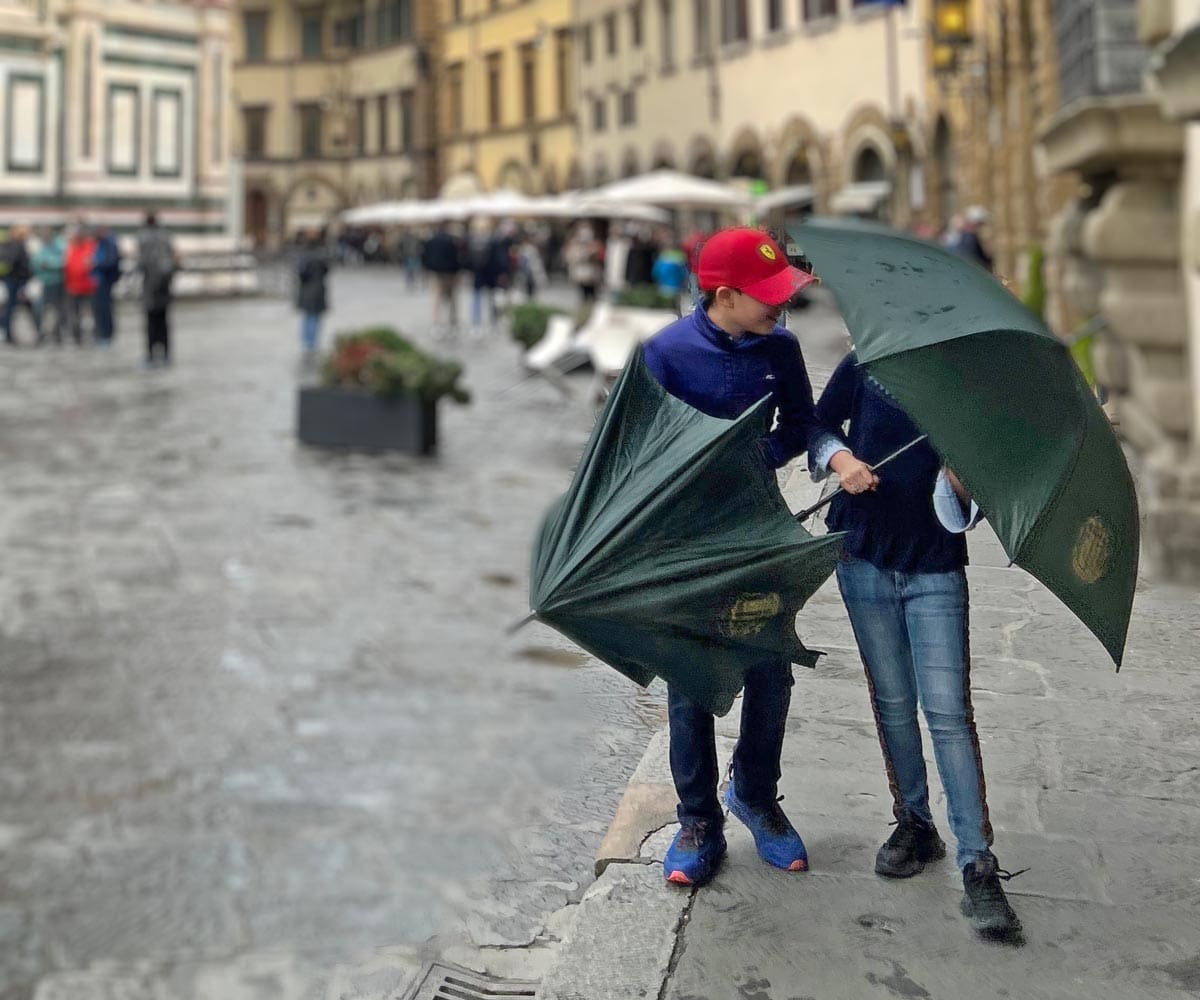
516,627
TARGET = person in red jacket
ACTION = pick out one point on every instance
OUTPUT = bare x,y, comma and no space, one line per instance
78,279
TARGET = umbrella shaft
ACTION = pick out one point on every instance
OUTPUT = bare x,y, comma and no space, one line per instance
804,515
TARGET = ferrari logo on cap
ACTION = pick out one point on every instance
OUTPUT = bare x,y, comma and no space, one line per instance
767,251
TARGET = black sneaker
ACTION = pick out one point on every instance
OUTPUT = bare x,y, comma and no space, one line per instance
985,904
912,845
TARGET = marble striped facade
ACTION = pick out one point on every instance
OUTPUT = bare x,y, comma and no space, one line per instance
111,108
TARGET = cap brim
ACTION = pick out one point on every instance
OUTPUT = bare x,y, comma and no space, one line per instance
779,288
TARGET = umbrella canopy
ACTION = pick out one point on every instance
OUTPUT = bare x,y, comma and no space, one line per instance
672,189
1004,404
673,553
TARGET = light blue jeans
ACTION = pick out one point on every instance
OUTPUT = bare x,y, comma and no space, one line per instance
310,329
912,633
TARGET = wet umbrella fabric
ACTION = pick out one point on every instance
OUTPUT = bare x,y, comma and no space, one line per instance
1002,402
673,553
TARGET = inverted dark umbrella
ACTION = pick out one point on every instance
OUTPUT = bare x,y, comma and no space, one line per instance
673,553
1004,404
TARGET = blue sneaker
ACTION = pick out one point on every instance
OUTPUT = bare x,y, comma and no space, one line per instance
777,841
694,854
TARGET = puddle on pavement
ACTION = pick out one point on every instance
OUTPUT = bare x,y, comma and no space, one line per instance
553,657
499,579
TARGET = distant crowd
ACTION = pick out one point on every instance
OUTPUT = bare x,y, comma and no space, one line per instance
64,279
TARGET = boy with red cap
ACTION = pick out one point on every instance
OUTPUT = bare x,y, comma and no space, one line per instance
723,358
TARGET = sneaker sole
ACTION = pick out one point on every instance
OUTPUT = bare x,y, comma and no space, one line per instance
679,878
918,865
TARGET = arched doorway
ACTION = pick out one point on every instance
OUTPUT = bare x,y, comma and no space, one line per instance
947,170
629,164
798,171
868,165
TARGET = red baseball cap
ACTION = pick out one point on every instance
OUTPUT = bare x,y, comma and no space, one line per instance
751,262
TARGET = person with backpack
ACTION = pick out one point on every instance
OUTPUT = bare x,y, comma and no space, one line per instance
79,279
158,263
15,272
106,266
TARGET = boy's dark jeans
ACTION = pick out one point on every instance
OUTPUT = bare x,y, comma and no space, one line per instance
765,701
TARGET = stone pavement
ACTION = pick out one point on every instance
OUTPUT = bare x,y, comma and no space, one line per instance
1092,784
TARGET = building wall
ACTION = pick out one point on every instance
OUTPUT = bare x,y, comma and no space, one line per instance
111,108
385,78
485,147
793,102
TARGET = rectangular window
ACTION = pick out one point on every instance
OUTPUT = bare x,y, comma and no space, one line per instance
666,13
735,21
774,16
408,120
702,19
348,32
254,28
360,126
629,108
815,10
585,40
310,130
254,124
610,34
529,82
599,114
635,25
494,96
562,43
381,104
456,10
311,36
454,99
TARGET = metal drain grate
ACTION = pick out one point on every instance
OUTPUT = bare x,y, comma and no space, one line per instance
439,981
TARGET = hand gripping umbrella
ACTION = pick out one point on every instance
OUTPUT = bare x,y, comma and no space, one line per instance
673,553
1002,402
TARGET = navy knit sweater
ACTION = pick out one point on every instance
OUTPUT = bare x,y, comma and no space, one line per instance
894,527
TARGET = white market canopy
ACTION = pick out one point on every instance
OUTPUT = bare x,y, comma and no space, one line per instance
861,197
672,189
785,197
503,204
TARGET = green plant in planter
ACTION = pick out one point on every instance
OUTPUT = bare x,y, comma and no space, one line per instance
528,322
646,297
383,363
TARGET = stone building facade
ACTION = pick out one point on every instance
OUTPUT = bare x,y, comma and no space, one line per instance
507,96
109,108
1128,252
827,95
334,108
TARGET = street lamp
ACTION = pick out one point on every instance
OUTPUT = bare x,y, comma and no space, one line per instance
951,32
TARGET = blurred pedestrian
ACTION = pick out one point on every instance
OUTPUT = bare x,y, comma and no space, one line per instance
967,242
48,263
106,267
670,273
158,262
15,272
531,271
312,296
584,257
442,256
79,279
409,249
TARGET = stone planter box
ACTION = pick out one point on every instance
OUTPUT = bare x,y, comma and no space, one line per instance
341,418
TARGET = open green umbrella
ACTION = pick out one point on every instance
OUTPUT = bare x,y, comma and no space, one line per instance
673,553
1004,404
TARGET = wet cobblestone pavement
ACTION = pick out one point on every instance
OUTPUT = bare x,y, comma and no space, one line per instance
255,697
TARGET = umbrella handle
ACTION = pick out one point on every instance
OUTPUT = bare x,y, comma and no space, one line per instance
805,514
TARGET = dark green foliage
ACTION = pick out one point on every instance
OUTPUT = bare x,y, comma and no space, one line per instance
384,363
528,322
